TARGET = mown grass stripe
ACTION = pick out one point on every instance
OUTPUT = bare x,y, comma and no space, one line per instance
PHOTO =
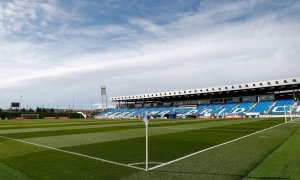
26,124
73,153
282,163
10,173
90,138
216,146
162,147
60,125
42,132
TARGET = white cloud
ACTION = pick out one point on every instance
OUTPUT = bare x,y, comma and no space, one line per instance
204,48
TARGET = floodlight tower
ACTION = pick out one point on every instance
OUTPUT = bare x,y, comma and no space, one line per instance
103,97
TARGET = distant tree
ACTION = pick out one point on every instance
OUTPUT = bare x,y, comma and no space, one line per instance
38,110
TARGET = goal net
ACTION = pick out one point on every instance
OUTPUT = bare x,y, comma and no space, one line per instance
30,116
292,115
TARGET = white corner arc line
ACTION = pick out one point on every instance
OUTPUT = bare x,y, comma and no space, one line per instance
203,150
74,153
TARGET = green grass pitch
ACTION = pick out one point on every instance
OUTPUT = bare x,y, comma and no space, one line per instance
178,149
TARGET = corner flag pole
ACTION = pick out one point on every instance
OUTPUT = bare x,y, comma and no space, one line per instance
146,124
147,146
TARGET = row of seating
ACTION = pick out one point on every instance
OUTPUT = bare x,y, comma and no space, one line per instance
261,107
216,109
225,109
281,106
297,107
242,108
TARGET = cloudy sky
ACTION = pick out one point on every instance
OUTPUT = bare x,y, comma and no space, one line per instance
54,50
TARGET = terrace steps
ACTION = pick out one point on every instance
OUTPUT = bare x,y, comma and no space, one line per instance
270,107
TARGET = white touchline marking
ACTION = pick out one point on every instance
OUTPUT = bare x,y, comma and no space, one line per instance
230,130
74,153
145,163
203,150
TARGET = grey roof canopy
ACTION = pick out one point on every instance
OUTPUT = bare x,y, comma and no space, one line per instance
227,88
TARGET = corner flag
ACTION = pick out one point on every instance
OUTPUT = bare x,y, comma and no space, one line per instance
146,120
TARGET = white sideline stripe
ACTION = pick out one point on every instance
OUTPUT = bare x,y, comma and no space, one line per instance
144,163
203,150
74,153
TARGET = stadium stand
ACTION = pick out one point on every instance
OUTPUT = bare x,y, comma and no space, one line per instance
139,112
297,107
198,109
278,107
210,109
242,108
216,109
244,99
261,107
223,110
182,111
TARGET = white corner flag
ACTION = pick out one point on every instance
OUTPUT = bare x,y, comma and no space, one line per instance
146,120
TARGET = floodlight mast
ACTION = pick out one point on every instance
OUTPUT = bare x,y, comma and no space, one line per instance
103,95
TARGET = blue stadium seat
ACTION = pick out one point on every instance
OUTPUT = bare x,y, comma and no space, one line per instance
242,108
197,110
210,109
278,108
261,107
297,107
224,109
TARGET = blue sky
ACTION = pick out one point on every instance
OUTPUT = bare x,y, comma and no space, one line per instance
54,50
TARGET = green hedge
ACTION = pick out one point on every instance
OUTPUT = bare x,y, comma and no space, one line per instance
4,115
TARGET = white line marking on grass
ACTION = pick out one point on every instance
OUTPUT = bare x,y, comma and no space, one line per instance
144,163
74,153
213,147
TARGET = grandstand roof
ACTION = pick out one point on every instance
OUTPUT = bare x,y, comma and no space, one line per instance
273,85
